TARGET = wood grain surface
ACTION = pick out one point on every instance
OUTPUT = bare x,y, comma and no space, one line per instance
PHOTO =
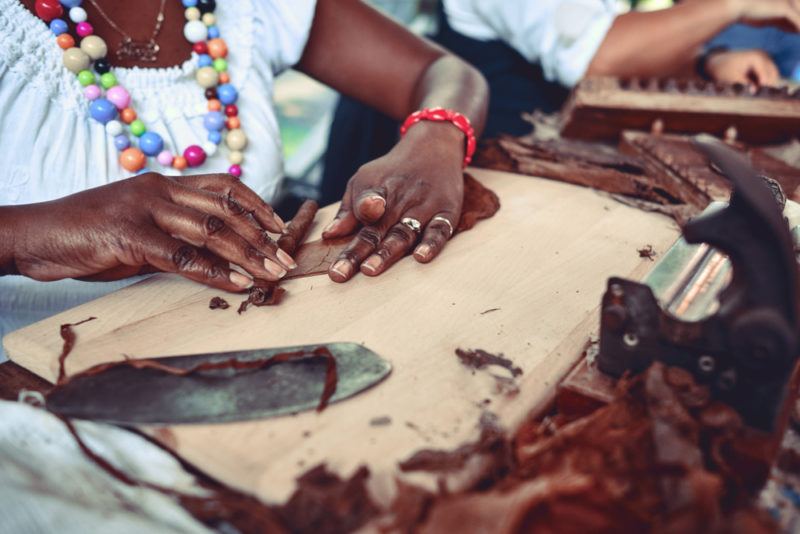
541,263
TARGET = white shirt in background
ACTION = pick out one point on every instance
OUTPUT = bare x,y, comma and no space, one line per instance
561,35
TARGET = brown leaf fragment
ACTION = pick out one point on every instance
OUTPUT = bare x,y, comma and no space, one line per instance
297,229
479,359
69,337
647,252
323,503
218,303
262,294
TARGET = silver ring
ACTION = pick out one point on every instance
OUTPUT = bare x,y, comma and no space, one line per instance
447,222
413,224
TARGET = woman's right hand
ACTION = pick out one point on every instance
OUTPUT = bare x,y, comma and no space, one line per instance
194,226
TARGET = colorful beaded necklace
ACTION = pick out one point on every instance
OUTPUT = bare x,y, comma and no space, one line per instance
108,100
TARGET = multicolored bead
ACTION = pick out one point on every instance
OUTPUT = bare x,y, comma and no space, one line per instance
195,31
102,110
86,78
194,155
132,159
92,92
77,14
84,29
138,128
236,139
75,59
119,96
212,74
121,142
48,10
227,94
94,46
165,158
151,143
58,26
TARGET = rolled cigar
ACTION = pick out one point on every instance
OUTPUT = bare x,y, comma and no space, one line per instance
297,229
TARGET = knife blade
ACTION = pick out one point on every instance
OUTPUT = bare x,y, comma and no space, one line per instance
128,395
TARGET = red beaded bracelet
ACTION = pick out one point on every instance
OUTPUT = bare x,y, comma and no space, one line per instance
445,115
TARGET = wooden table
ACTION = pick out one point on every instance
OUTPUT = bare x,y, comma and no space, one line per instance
542,261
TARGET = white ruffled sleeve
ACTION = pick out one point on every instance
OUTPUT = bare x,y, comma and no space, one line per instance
282,29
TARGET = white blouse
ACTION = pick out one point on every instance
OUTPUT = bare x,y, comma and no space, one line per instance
561,35
50,147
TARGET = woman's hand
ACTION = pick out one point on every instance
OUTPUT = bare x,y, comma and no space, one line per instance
194,226
420,179
749,67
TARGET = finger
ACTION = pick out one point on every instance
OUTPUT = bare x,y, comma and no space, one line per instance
365,242
436,235
231,187
236,216
345,222
370,205
171,255
211,232
395,245
771,73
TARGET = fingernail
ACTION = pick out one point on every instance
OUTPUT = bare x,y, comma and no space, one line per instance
372,264
377,197
274,269
286,260
280,222
241,280
342,268
423,251
331,226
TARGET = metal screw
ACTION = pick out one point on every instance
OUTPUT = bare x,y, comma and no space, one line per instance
706,363
617,291
630,339
727,380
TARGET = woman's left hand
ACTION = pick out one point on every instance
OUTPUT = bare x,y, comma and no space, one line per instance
420,180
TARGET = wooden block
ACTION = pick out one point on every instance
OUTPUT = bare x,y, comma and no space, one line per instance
543,261
601,108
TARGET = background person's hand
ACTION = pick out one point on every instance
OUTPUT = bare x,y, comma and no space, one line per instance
421,179
783,13
194,226
749,67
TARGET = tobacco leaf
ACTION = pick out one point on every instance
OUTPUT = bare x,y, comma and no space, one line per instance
218,303
69,337
264,293
297,229
479,359
323,503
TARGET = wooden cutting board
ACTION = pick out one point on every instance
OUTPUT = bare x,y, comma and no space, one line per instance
541,263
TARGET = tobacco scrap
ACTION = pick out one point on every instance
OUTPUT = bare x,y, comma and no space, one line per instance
262,294
380,421
218,303
647,252
331,374
657,459
297,229
478,359
480,202
492,442
323,503
68,335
